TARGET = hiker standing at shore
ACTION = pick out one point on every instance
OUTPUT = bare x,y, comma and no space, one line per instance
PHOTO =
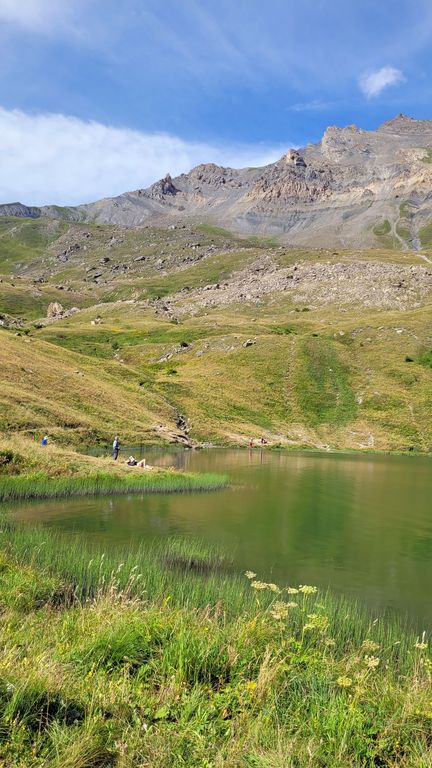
116,447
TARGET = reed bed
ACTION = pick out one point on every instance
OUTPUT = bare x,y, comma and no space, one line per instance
167,657
42,485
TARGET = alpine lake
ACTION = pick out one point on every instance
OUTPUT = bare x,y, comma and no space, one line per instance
358,525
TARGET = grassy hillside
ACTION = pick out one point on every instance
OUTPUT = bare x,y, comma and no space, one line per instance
169,331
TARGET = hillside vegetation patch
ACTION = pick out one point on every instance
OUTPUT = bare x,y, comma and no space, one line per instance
322,385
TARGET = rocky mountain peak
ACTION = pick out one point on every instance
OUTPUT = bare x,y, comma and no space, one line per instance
162,188
338,142
399,121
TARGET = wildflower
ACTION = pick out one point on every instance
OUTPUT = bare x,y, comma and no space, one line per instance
317,621
422,644
273,587
291,590
258,585
371,661
250,685
344,682
330,642
250,574
307,590
280,610
370,645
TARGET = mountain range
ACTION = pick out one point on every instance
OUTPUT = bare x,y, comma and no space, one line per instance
354,188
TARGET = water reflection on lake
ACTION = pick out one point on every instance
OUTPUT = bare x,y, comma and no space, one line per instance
361,525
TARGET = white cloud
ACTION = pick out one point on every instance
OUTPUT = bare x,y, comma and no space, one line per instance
40,15
316,105
373,83
53,158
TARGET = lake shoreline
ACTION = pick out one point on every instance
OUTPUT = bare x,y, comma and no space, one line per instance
32,471
175,448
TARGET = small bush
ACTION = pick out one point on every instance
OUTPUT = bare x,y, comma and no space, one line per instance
425,358
10,463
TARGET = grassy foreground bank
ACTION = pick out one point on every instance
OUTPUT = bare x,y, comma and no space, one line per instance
28,470
165,659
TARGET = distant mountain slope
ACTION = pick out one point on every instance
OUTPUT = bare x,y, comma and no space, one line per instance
354,188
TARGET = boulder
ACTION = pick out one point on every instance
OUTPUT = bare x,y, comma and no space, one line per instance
55,309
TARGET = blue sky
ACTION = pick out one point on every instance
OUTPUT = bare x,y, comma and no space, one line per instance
99,96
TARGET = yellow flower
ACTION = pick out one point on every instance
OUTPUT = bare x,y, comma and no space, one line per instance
422,644
370,645
273,587
258,585
317,621
250,574
307,590
251,685
291,590
344,681
279,610
371,661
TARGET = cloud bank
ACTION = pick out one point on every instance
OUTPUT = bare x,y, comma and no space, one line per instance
373,83
54,158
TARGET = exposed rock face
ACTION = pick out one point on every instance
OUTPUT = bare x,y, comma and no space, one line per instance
18,209
295,158
289,182
353,188
161,188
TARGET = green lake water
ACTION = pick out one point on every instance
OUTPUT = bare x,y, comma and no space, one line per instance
360,525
